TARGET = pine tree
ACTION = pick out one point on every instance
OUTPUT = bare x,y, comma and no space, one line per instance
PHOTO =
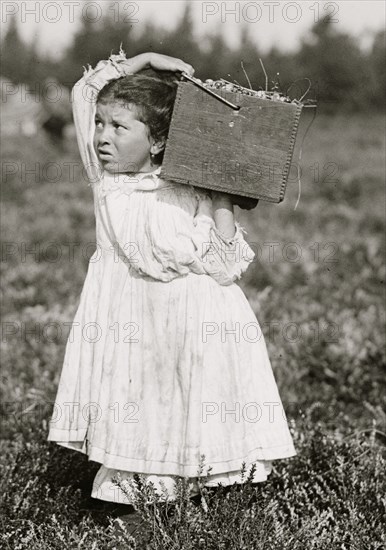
181,41
377,81
14,56
94,41
336,66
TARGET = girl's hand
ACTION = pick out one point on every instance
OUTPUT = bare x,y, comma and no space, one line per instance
245,203
166,63
156,61
221,199
225,199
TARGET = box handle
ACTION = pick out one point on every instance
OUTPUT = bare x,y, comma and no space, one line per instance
232,105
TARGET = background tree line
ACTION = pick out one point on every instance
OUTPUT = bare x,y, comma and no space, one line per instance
343,77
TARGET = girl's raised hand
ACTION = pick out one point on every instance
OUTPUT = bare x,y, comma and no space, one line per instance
166,63
157,61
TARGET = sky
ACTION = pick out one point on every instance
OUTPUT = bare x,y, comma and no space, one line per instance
270,22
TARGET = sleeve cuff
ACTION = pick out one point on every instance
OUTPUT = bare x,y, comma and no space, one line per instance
238,236
105,71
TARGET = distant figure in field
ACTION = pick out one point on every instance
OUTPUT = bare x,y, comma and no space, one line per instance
56,106
26,110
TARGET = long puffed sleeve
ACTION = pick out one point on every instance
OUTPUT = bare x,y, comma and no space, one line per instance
84,97
170,232
225,259
153,230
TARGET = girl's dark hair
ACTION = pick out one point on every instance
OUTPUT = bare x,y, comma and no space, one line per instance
153,94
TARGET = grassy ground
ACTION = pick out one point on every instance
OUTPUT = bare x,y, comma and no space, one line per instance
317,287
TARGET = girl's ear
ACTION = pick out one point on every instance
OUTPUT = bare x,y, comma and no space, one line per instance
157,147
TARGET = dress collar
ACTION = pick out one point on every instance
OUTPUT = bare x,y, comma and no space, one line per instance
138,176
155,172
127,183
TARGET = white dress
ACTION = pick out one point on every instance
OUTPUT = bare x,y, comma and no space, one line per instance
165,361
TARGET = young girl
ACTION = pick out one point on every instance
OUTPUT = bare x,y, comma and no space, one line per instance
165,361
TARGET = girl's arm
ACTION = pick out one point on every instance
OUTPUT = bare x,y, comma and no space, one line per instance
219,239
223,214
86,90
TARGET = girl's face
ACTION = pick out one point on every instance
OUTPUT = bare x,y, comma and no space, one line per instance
122,143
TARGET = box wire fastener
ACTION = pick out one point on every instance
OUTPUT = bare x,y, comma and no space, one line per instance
207,90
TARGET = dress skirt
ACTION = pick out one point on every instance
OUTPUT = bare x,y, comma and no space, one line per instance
158,374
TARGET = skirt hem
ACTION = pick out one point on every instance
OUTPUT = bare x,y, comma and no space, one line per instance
160,467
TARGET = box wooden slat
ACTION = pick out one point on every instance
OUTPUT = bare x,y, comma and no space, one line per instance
246,152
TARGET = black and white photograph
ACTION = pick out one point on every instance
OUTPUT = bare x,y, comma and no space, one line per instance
193,327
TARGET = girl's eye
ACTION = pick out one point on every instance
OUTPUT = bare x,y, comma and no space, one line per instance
99,124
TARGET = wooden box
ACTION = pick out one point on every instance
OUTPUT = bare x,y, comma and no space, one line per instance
243,152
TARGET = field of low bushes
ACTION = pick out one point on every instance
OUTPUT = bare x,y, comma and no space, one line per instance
317,288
